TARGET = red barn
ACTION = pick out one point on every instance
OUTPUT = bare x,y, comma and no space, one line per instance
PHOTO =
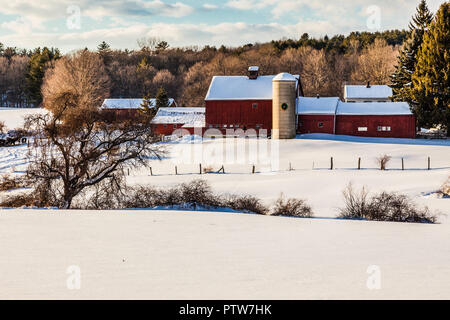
244,102
368,119
375,119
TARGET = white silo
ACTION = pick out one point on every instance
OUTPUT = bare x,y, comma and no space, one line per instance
283,106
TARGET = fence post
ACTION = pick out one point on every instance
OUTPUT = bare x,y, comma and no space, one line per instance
176,170
151,171
331,164
200,168
403,164
290,167
359,163
429,163
253,169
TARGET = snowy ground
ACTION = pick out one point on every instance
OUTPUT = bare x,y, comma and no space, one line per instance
205,255
15,117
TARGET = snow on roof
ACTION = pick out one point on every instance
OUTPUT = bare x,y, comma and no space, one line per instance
373,108
128,103
190,117
314,105
284,77
362,92
240,88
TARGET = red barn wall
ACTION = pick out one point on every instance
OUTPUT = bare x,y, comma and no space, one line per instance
239,112
310,123
166,129
402,126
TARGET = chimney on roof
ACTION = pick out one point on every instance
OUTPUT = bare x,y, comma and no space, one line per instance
253,72
318,96
368,84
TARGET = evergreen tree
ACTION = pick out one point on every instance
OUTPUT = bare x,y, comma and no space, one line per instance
407,59
147,109
104,50
431,78
422,19
162,100
36,71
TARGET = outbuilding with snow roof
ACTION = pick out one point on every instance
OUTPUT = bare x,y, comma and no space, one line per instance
168,120
367,93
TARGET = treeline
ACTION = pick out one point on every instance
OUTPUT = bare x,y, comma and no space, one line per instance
185,73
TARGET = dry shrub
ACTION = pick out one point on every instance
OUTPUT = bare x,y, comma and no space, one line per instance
2,127
383,161
385,206
9,183
245,203
292,207
445,189
355,203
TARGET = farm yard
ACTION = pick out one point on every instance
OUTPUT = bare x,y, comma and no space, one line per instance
174,254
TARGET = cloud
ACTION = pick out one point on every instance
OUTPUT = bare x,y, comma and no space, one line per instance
209,7
37,12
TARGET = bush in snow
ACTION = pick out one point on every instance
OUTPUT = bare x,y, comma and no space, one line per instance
2,127
385,206
245,203
355,203
9,183
292,207
383,161
445,189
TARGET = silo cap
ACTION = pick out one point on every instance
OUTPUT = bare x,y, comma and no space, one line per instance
284,76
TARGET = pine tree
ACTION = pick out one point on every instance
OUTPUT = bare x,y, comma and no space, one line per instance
104,50
36,71
431,78
407,59
147,108
162,100
422,19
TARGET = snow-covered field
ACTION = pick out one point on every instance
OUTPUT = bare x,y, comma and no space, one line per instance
206,255
15,117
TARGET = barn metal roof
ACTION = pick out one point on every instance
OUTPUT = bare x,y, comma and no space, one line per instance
373,108
364,92
314,105
241,88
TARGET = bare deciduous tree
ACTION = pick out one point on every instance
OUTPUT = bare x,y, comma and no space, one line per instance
78,84
65,161
375,64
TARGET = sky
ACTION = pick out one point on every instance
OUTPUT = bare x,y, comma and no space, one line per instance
76,24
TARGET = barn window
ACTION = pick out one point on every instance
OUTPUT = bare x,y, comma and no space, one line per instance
236,126
258,126
320,124
255,105
174,126
224,125
217,126
231,126
362,128
165,126
383,128
210,126
300,124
